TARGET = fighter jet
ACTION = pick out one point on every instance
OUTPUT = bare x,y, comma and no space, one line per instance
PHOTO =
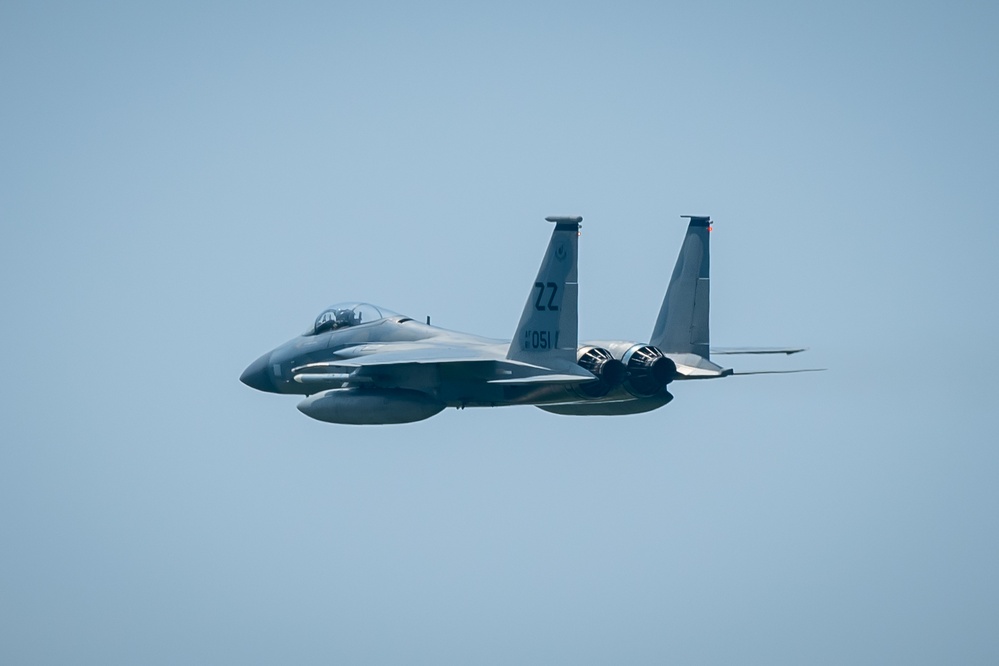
359,364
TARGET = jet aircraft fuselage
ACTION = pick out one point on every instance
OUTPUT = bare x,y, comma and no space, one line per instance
297,366
362,364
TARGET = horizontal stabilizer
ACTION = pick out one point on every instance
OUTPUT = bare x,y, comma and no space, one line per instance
779,372
757,350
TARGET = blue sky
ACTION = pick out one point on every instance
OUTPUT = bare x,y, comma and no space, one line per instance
184,187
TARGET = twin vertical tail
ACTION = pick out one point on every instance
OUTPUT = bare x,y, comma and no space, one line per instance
548,328
682,325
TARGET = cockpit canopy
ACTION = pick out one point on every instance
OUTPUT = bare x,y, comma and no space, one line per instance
343,315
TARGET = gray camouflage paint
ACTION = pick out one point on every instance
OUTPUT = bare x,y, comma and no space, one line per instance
389,368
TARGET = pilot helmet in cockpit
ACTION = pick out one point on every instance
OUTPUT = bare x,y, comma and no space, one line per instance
345,315
335,318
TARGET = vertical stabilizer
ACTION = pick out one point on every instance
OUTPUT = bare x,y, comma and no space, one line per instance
682,326
548,329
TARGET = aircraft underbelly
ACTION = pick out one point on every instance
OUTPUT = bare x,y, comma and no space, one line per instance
609,408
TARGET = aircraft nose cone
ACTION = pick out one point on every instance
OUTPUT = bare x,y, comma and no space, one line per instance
258,375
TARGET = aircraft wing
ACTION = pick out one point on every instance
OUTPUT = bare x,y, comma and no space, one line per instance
542,379
425,354
368,369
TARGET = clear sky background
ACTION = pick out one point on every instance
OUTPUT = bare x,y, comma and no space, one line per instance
184,187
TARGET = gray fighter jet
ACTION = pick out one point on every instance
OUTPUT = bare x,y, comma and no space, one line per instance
362,364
